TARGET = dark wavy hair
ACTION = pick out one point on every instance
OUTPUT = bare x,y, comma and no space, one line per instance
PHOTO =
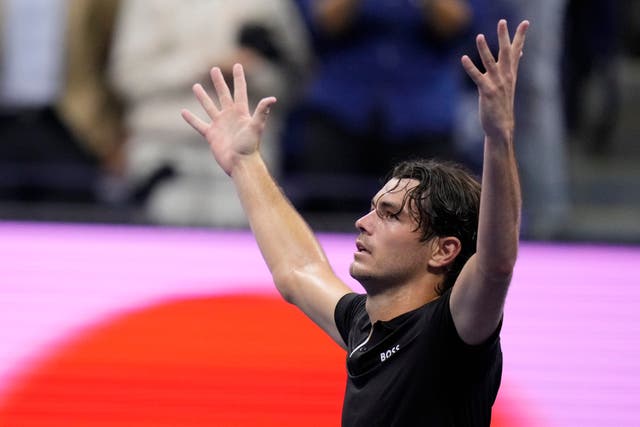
445,202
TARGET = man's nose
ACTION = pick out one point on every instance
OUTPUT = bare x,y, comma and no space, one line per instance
363,223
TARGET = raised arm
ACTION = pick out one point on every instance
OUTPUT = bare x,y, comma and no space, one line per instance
478,297
298,264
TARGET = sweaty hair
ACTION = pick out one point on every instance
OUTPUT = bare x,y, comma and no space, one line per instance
445,202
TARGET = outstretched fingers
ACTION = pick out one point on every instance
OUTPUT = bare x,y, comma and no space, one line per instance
240,88
509,53
195,122
471,70
519,37
262,110
222,90
504,44
206,102
486,56
518,42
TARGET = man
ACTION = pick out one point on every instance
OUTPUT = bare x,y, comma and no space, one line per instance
420,352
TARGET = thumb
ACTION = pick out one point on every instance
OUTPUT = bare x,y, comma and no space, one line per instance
262,111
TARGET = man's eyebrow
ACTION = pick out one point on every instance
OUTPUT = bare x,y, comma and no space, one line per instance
384,204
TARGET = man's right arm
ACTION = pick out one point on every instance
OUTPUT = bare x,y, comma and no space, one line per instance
300,268
294,256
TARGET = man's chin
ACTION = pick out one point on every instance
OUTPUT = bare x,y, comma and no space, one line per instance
359,273
355,270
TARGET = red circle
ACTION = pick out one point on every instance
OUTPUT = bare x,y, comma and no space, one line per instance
225,361
220,361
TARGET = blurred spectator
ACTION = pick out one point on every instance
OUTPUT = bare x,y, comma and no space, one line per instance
590,71
161,48
396,63
59,122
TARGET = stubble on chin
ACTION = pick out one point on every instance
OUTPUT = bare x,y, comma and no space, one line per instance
365,278
353,270
357,272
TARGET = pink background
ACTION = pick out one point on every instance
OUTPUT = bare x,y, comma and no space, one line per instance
570,336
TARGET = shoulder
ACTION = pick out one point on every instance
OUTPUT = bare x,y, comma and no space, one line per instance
350,311
350,305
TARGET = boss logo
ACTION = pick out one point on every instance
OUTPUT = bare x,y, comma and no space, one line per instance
387,354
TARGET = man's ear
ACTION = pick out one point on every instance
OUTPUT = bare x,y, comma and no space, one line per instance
443,251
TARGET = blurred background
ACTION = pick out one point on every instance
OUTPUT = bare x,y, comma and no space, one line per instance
129,274
90,100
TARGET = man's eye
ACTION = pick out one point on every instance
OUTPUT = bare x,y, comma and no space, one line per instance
391,215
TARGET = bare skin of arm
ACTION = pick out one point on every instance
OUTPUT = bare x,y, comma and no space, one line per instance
478,296
299,266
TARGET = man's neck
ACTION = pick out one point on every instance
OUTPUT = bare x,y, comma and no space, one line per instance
396,301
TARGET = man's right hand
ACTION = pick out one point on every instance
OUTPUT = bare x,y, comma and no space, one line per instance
233,134
300,268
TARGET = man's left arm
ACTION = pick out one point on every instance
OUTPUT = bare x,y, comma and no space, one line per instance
478,296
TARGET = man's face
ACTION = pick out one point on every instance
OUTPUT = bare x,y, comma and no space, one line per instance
389,251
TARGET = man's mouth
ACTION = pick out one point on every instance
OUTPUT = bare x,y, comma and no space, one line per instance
361,247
